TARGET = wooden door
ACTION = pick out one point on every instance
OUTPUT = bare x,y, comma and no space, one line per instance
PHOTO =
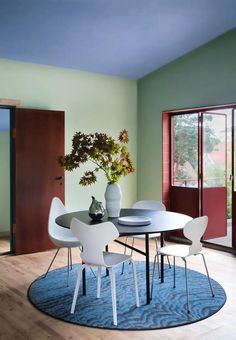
39,140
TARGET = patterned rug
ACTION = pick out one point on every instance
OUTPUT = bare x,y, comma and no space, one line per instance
52,296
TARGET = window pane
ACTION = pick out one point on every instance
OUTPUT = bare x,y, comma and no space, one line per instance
185,150
214,150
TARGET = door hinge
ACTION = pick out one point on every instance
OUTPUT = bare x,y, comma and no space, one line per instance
14,132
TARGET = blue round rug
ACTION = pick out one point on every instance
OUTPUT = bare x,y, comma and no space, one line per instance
52,296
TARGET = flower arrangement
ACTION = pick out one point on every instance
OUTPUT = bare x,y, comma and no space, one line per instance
108,155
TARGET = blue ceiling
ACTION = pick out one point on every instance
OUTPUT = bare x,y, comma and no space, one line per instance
126,38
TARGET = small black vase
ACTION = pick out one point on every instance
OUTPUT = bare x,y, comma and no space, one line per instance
96,210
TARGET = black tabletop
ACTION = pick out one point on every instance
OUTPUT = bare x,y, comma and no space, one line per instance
161,221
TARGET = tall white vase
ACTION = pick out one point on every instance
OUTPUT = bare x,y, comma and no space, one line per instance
113,197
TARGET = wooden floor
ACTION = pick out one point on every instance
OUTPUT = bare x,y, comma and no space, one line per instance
225,240
4,243
19,320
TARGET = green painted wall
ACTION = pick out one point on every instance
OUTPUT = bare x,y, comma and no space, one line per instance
91,102
4,181
206,76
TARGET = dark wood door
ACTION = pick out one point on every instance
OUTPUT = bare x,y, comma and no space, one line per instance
39,140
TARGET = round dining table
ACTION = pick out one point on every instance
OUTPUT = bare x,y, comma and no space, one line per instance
160,222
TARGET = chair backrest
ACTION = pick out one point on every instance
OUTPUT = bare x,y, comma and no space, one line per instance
149,204
57,208
194,230
93,238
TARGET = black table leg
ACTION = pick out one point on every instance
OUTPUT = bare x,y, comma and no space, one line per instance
84,281
147,270
107,271
162,259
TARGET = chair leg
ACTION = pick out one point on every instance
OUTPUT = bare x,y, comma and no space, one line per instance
209,280
68,266
186,283
92,272
168,261
113,294
135,283
123,264
174,272
70,259
99,282
166,256
77,288
51,263
159,272
131,254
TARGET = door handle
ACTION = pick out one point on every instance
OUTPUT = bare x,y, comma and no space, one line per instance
231,177
59,178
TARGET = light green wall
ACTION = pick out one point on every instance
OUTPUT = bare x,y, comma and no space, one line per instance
4,181
91,102
206,76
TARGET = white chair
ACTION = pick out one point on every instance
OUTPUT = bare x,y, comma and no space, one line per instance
93,239
61,237
193,230
151,205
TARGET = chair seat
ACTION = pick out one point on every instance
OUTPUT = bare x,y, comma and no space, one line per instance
179,250
112,259
68,241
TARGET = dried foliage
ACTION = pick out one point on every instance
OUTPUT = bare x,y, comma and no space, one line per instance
104,152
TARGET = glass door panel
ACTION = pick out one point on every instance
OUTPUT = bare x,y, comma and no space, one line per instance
184,191
214,172
185,150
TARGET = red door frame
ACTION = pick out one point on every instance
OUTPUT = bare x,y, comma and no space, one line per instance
166,156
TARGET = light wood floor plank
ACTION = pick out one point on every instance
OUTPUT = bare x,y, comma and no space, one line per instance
21,321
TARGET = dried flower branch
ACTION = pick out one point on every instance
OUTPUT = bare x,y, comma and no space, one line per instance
104,152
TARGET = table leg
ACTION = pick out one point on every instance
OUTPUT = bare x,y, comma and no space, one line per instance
107,271
84,281
162,259
148,299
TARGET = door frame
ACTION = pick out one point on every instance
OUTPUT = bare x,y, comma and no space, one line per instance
166,158
233,174
11,109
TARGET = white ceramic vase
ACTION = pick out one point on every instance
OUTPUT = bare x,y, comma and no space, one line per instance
113,197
